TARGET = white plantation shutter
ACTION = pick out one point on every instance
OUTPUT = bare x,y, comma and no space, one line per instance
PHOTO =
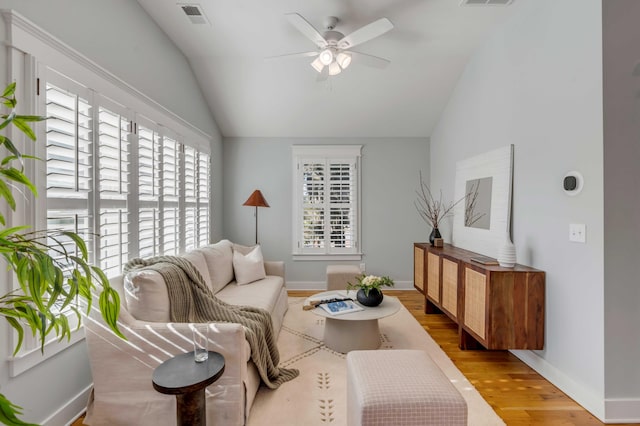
113,166
326,200
342,205
190,198
68,159
170,196
313,206
203,195
148,192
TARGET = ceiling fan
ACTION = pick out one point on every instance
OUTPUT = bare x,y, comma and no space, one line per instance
334,52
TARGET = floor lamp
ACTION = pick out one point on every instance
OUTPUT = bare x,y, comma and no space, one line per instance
256,199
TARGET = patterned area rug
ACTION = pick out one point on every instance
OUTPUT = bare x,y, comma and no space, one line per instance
318,396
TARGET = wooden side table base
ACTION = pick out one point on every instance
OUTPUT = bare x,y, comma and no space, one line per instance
186,379
190,408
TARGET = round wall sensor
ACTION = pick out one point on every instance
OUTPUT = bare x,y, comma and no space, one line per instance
572,183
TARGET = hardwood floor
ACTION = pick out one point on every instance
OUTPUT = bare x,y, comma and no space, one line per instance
518,394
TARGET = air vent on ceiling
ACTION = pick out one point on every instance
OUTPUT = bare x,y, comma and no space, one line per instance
485,2
195,13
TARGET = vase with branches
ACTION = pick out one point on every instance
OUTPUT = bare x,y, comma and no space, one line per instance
51,267
431,209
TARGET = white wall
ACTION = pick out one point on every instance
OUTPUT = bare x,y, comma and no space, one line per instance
621,37
537,84
390,223
120,37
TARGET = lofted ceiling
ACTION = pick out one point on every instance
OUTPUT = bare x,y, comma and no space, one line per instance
250,96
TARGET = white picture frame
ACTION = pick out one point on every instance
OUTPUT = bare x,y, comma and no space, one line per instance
497,164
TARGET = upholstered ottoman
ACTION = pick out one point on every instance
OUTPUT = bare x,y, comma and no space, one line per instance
400,388
339,275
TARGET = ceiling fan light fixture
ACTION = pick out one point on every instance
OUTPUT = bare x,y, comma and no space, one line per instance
334,69
326,56
343,59
317,64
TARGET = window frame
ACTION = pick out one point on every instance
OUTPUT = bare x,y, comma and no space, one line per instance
325,154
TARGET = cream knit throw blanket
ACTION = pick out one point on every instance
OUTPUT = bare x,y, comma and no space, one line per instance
192,301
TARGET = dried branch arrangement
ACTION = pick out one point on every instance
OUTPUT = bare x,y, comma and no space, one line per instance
432,210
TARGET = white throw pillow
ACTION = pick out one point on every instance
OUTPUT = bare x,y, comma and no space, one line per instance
248,267
198,261
146,295
219,260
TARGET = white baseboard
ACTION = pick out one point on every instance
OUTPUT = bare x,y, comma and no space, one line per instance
322,285
611,410
591,402
625,410
69,412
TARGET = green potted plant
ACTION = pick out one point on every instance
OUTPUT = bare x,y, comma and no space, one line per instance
370,289
51,267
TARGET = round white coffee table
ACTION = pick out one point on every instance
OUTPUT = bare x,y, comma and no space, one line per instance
355,330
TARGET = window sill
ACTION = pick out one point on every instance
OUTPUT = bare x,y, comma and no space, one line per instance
27,359
325,257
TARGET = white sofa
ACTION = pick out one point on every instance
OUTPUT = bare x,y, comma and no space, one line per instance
123,393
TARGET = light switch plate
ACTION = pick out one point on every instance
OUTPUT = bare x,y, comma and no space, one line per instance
578,232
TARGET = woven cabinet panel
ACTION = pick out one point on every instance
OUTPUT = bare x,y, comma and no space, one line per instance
418,268
433,276
450,286
475,295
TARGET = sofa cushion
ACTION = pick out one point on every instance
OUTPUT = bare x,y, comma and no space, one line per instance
260,294
198,261
146,296
248,266
219,259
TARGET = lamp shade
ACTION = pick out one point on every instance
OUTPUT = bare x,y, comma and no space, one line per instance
256,199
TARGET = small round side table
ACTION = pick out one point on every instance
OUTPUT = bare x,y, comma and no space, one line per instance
186,379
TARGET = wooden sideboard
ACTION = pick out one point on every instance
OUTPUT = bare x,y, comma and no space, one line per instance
495,307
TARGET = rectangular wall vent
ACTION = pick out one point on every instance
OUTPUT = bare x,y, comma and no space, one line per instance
486,2
195,13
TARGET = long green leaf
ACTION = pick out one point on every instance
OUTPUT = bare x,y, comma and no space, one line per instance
82,246
110,307
17,176
13,230
16,325
9,90
10,158
9,413
12,148
31,118
24,127
5,193
7,119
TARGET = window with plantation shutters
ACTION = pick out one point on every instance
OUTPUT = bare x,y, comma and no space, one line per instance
110,172
326,201
95,150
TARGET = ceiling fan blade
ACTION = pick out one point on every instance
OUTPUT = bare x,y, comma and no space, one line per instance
294,55
307,29
366,33
370,60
